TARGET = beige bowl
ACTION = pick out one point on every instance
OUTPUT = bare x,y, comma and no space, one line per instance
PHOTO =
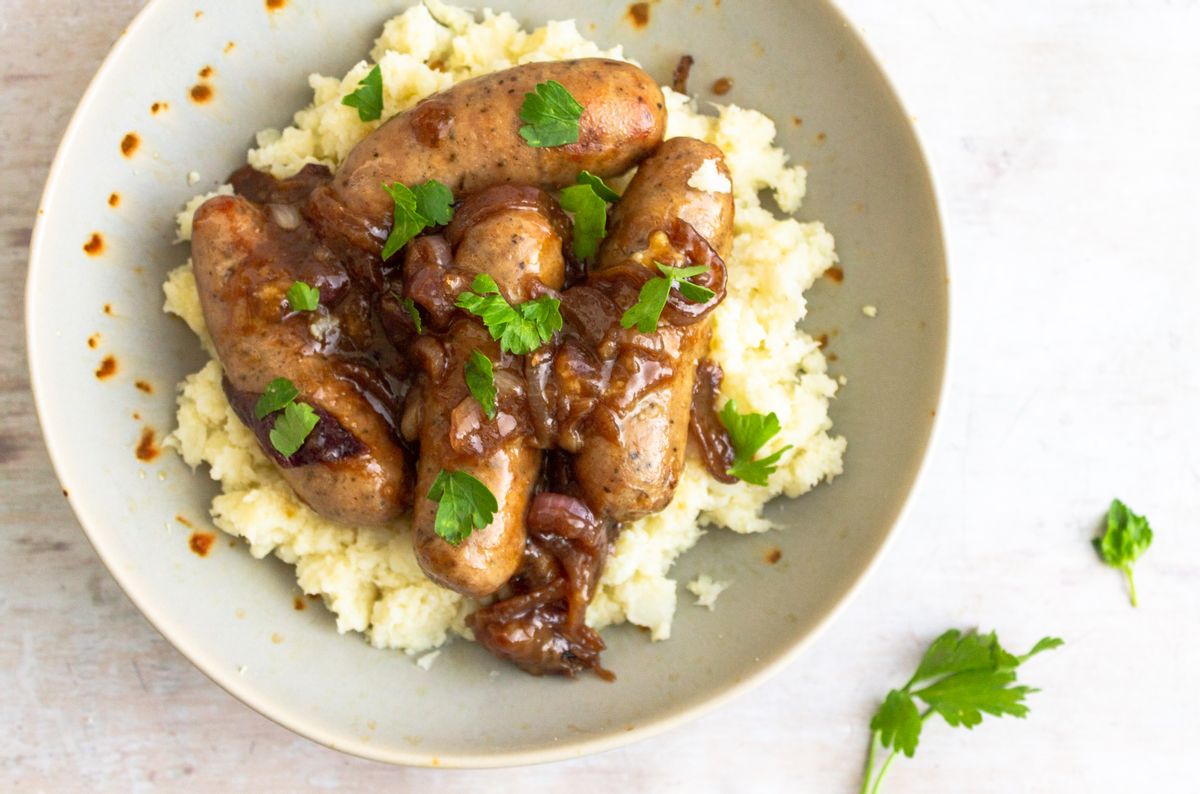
233,616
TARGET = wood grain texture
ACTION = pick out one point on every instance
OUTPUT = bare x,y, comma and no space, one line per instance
1065,138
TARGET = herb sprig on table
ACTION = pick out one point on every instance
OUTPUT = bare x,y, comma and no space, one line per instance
961,677
1126,538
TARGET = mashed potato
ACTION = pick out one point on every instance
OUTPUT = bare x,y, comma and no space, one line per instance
369,578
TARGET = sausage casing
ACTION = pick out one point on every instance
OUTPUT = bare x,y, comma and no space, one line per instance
244,263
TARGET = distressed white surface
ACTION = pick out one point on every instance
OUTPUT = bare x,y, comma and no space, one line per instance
1067,140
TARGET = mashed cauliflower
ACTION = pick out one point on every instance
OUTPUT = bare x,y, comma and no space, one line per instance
369,577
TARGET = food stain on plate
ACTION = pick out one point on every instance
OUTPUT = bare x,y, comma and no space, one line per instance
114,199
275,5
130,144
93,341
147,447
107,368
201,543
94,245
201,93
638,14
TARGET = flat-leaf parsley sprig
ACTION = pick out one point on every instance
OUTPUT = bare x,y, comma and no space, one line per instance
367,99
961,677
748,433
464,505
1126,538
551,116
652,298
519,329
588,201
416,209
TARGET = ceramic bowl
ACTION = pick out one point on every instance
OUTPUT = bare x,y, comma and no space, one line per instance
233,616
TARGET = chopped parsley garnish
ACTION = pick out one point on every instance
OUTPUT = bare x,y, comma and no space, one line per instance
302,297
416,209
481,381
464,505
961,677
292,427
653,296
411,308
368,97
602,190
749,433
1125,539
279,393
519,329
296,421
551,116
588,201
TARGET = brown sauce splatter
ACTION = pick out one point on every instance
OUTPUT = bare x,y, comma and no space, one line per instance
114,199
108,309
228,48
835,274
137,416
832,358
107,368
94,341
638,14
147,448
823,340
797,121
130,143
144,386
184,521
298,603
773,555
94,245
206,72
159,107
276,638
722,86
201,93
821,137
65,494
197,15
201,542
275,5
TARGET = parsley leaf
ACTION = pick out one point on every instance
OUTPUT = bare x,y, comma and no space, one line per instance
415,210
292,427
279,393
652,297
411,308
551,116
749,433
464,505
480,380
434,202
966,676
601,189
302,297
588,201
520,329
898,722
1125,539
368,97
591,216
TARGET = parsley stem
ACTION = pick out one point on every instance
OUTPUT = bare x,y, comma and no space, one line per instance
886,764
1132,590
870,770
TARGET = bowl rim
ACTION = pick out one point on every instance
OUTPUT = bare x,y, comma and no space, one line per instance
311,729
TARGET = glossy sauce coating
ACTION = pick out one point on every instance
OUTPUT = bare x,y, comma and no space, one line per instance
515,235
245,257
631,450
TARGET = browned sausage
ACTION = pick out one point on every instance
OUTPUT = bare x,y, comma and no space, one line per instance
467,137
514,235
351,468
633,446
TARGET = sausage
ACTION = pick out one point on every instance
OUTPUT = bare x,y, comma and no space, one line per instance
516,236
633,444
467,138
351,468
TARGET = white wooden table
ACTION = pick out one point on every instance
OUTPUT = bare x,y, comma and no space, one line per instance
1067,140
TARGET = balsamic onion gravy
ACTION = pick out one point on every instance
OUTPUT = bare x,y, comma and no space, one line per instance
468,335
